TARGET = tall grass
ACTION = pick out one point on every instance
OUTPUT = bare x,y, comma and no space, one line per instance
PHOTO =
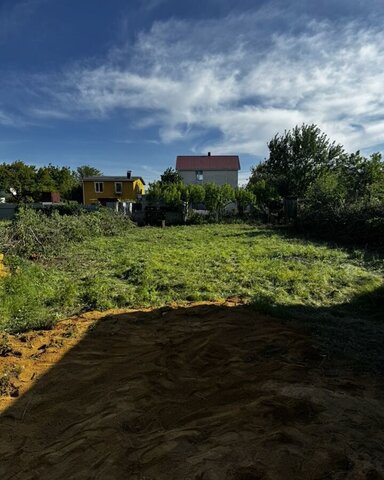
37,234
151,267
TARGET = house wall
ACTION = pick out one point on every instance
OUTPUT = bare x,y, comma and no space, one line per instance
220,177
129,191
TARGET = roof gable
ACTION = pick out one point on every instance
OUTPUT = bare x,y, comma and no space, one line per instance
207,162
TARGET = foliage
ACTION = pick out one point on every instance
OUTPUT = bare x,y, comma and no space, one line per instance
362,178
261,185
52,178
297,158
217,197
170,176
342,196
360,224
347,204
27,183
35,234
327,191
244,198
150,267
87,171
19,180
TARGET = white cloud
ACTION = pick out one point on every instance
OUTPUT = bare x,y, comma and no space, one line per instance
9,120
232,77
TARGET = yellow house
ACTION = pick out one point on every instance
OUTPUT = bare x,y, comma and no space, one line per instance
112,189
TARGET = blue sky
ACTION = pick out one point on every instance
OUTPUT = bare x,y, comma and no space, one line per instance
131,84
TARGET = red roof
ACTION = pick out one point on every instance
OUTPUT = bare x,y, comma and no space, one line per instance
208,162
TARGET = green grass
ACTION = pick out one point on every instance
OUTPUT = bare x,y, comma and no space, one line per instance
152,267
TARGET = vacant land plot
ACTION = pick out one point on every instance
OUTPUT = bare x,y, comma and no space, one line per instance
152,267
207,391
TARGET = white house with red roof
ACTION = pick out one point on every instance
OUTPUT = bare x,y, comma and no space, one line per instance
219,169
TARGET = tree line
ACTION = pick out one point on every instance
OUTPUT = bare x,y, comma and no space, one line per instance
304,163
339,195
171,190
22,183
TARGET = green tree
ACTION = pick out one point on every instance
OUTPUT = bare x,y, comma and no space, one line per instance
87,171
363,178
170,176
244,198
328,191
173,191
19,180
217,197
262,186
60,179
297,158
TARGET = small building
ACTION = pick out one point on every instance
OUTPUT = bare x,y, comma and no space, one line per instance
106,189
199,169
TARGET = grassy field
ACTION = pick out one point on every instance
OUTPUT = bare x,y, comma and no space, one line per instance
152,267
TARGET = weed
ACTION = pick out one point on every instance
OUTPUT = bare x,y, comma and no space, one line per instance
5,346
71,332
7,378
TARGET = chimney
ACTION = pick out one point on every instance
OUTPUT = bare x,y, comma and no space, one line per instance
129,174
209,154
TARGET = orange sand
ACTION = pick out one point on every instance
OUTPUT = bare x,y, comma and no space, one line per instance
204,392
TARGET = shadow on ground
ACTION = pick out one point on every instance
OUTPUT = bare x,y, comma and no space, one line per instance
206,392
353,331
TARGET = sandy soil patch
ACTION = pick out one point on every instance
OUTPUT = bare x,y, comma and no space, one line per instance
204,392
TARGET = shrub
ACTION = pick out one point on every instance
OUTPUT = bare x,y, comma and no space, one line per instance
35,234
356,224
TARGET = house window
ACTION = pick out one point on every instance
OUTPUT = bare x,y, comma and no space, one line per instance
199,175
99,187
118,187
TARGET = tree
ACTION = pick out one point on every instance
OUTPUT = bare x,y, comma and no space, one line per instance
19,180
170,176
217,197
262,186
87,171
26,183
363,178
327,192
60,179
194,194
244,198
174,192
298,157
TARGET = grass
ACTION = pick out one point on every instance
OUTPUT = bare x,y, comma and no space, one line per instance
151,267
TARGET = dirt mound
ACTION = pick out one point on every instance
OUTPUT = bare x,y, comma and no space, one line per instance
205,392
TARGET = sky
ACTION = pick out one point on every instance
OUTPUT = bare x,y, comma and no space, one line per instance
129,85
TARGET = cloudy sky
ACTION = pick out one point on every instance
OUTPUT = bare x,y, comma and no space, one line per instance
130,84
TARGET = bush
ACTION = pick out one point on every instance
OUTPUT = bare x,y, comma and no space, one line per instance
36,234
355,224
